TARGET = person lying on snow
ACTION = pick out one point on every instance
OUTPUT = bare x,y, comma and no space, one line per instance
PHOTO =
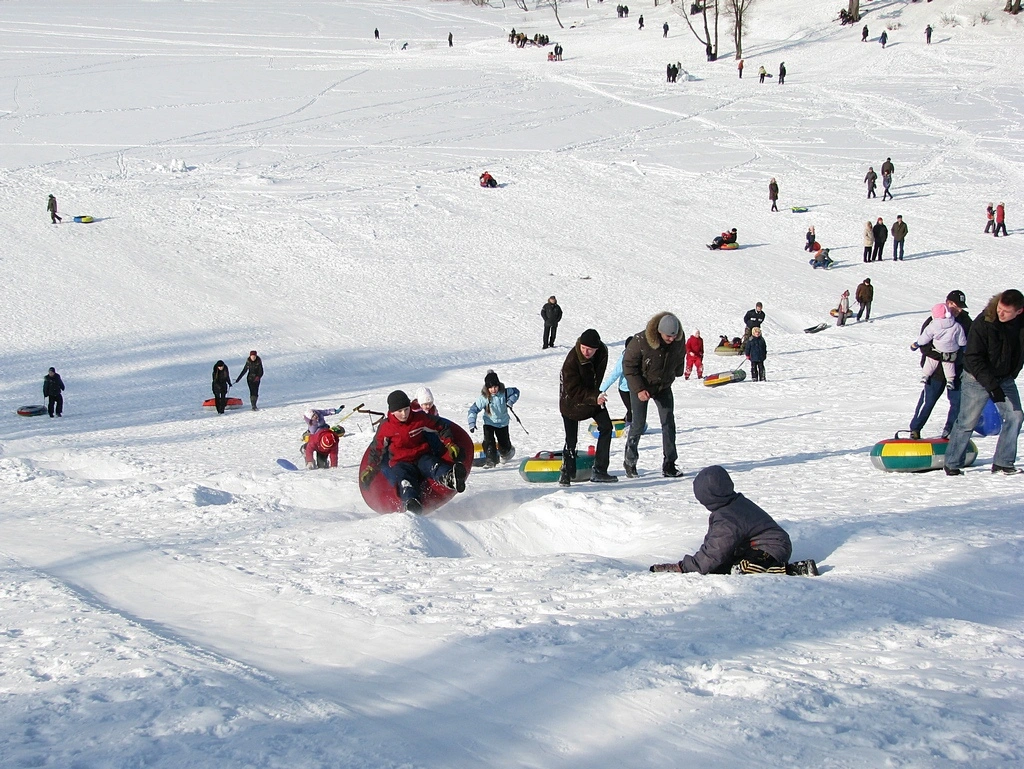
403,453
736,343
724,239
741,537
486,180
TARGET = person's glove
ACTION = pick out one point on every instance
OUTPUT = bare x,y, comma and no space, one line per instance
339,409
366,477
997,394
472,429
453,452
310,466
915,346
666,567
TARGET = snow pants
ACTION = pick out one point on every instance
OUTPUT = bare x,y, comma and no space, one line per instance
408,477
495,439
604,441
692,359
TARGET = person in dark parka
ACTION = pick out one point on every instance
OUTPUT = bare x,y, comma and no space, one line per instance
552,314
580,398
253,373
739,532
653,359
756,350
53,386
221,383
880,234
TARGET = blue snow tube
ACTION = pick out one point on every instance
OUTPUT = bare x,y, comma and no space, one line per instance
990,421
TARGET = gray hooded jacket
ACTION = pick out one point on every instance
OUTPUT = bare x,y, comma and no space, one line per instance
735,528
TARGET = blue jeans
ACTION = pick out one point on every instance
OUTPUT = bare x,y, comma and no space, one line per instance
897,246
973,398
930,395
427,466
666,411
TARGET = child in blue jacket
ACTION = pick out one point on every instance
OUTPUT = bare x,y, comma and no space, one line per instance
494,401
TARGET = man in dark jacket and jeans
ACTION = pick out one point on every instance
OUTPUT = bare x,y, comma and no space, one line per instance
992,361
739,532
53,386
652,361
956,303
551,313
579,398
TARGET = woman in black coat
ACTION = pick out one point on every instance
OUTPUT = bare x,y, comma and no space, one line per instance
221,383
53,386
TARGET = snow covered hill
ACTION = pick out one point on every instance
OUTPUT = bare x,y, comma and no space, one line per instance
267,175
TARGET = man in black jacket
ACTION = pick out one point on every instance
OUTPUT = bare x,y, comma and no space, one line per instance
551,313
579,398
956,303
740,533
880,234
652,361
53,386
992,361
753,318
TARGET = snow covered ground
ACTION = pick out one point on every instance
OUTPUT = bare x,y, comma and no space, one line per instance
266,175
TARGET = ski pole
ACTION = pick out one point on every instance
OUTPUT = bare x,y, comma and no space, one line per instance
520,421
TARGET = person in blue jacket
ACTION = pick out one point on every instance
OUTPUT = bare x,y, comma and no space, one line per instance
756,351
494,401
617,377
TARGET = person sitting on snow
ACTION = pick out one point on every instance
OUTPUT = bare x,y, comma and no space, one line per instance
486,180
741,536
821,259
724,239
401,451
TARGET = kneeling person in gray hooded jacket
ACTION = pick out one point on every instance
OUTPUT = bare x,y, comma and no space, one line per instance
739,534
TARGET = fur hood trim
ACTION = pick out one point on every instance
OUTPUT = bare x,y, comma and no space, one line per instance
990,309
651,331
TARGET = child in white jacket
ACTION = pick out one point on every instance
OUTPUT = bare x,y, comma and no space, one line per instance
946,337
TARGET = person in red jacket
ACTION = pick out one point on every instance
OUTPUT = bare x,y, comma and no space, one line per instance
695,355
1000,220
402,451
486,180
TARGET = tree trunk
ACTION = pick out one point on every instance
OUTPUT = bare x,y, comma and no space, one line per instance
738,34
854,10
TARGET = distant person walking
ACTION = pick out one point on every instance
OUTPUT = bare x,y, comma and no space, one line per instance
739,66
53,386
888,167
773,193
376,34
253,373
221,383
870,178
664,29
928,34
641,22
552,314
864,34
899,232
843,310
782,72
51,207
886,183
1000,220
990,216
450,43
762,73
883,38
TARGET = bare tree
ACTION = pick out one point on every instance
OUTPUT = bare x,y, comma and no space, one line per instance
553,4
522,5
854,10
709,38
1012,6
737,9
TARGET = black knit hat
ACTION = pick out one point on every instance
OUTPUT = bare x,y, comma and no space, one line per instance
491,380
590,338
398,400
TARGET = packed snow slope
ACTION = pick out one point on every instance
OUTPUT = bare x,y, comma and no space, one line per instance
267,175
